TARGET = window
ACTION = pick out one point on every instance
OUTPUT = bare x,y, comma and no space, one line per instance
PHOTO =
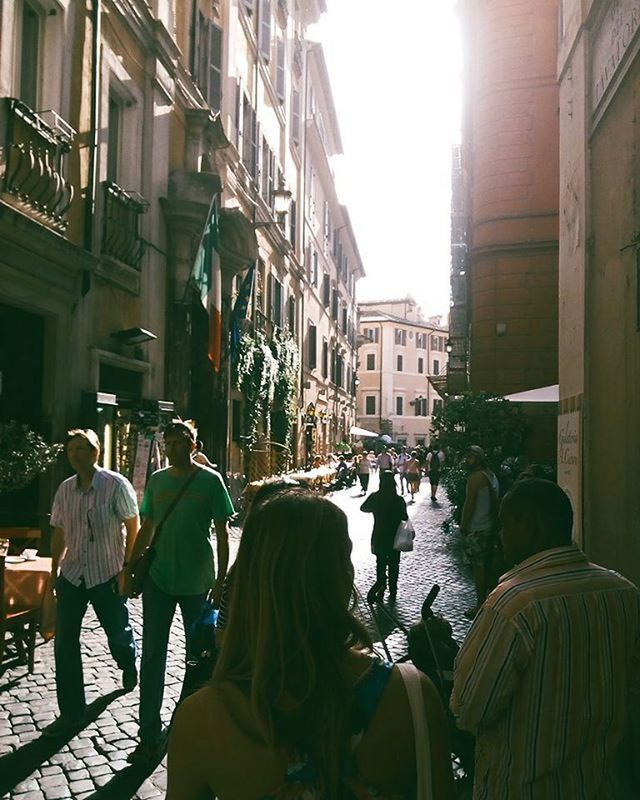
28,78
420,441
437,404
267,171
295,116
370,405
291,314
326,290
399,363
264,34
371,361
345,319
437,343
332,369
436,366
114,127
420,406
207,61
399,406
421,341
325,358
401,336
421,366
280,71
334,305
372,334
275,304
312,345
249,138
340,371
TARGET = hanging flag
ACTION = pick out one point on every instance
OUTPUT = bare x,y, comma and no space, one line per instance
241,308
207,278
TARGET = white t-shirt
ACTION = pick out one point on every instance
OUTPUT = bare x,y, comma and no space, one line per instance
402,461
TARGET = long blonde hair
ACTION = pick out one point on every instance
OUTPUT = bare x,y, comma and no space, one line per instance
290,626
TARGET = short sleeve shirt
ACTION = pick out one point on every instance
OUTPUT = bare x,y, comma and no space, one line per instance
92,522
184,563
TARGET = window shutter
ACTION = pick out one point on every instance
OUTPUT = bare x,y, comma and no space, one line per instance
295,116
215,67
238,115
326,290
325,358
264,34
313,345
293,224
280,70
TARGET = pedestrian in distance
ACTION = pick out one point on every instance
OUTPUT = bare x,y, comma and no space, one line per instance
364,470
479,524
401,466
298,706
95,522
385,460
182,502
414,473
389,510
548,678
435,461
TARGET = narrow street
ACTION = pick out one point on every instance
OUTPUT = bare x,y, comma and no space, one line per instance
93,763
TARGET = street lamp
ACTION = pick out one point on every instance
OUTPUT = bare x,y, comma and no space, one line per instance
448,346
281,200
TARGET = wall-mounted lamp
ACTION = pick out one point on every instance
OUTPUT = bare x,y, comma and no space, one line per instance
501,328
448,346
134,336
281,205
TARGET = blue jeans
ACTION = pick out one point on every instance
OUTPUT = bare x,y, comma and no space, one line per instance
158,609
113,614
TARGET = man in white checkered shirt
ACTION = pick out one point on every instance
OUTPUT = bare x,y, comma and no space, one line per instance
95,523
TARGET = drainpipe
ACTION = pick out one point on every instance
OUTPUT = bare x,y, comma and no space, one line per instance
90,208
381,368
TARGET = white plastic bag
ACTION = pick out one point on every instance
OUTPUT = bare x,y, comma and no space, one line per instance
403,540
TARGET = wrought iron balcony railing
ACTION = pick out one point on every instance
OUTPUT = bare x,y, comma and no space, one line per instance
121,225
33,148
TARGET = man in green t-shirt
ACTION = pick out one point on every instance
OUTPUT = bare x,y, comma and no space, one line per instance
182,572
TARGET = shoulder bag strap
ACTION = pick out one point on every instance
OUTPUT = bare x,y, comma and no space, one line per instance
174,503
411,678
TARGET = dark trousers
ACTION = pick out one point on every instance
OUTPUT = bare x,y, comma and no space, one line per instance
113,614
363,477
388,562
158,609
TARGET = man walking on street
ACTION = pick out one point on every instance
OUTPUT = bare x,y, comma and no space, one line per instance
183,501
385,461
549,674
479,524
91,512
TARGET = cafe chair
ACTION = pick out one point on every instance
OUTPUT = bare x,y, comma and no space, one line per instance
18,627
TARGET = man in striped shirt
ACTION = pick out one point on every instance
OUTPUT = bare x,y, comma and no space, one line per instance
551,665
95,522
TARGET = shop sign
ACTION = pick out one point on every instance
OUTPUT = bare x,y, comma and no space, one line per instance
570,465
612,46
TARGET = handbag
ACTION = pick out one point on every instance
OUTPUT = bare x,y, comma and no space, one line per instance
141,566
403,540
411,677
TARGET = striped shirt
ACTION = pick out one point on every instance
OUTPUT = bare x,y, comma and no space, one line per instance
545,678
92,523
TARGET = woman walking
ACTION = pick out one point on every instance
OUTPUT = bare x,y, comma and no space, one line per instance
413,475
297,706
388,509
364,469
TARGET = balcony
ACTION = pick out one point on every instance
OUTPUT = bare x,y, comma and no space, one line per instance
121,225
33,149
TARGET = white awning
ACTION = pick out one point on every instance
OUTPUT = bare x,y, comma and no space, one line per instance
545,394
354,430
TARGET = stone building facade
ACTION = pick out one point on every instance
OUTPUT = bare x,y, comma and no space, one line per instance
399,352
599,424
137,133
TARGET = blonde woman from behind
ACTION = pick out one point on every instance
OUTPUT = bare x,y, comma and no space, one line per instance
298,706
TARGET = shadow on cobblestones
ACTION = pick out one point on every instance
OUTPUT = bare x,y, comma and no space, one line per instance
16,766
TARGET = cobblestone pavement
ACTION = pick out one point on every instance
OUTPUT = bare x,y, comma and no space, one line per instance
93,763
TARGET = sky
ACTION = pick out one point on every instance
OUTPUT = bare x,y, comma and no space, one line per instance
395,74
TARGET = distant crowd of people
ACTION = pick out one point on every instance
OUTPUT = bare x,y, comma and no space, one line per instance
548,678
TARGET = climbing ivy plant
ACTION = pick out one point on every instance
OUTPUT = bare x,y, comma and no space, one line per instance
266,373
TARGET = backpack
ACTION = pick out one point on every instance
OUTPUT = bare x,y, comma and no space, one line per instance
434,463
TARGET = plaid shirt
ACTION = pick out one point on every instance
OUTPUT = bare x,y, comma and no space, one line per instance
93,525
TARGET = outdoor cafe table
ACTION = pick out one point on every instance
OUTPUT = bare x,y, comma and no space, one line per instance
25,583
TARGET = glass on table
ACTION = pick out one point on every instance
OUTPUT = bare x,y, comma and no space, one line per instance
4,547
